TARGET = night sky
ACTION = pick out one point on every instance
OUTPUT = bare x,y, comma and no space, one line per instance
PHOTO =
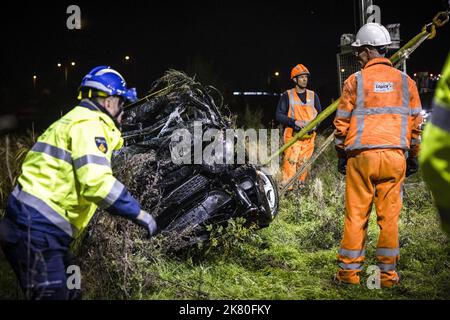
236,45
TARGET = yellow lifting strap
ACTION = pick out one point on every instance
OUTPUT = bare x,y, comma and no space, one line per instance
306,164
428,32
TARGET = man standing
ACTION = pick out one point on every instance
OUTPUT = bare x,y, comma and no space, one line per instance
377,122
435,153
65,177
296,108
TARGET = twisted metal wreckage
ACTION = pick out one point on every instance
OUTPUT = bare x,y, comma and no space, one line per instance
185,199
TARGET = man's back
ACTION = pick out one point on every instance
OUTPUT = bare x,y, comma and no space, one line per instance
376,108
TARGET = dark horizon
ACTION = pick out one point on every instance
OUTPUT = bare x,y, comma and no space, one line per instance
236,46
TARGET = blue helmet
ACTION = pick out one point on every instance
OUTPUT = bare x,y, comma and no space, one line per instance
109,81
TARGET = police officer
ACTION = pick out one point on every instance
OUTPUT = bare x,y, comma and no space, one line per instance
65,176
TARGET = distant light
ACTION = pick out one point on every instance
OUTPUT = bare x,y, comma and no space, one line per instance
415,74
277,74
254,93
342,70
439,75
34,77
72,63
431,75
59,65
127,58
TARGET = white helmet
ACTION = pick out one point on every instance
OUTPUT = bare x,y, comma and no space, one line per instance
372,34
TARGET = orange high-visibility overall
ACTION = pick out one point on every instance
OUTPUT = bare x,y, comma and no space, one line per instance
377,121
301,150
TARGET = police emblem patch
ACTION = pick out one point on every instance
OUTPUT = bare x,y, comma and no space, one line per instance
101,144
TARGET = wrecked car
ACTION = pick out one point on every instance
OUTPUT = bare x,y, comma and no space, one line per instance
185,198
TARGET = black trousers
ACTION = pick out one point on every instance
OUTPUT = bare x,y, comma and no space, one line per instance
39,262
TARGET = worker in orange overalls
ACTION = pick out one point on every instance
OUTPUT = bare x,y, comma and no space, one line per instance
296,108
377,140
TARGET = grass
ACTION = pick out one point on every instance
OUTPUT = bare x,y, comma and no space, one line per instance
294,258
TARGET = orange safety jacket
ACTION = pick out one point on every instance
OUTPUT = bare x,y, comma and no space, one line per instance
379,109
299,111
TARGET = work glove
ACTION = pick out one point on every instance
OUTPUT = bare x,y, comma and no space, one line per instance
146,220
297,129
311,132
342,165
412,166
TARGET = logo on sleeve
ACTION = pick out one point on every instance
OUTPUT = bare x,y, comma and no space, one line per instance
101,144
384,87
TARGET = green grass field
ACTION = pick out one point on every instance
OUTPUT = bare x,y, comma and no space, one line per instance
294,258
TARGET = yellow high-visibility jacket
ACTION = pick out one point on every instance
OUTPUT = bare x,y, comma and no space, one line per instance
67,173
435,154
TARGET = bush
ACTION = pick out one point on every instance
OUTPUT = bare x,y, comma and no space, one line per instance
13,149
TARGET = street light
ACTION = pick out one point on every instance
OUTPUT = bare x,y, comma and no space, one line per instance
277,74
127,58
34,81
66,69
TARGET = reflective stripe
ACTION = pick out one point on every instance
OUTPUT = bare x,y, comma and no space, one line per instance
45,210
351,266
291,103
384,110
386,252
385,267
312,103
311,98
98,85
52,151
352,253
359,106
441,116
113,195
415,111
91,159
405,105
375,146
415,142
359,90
343,114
